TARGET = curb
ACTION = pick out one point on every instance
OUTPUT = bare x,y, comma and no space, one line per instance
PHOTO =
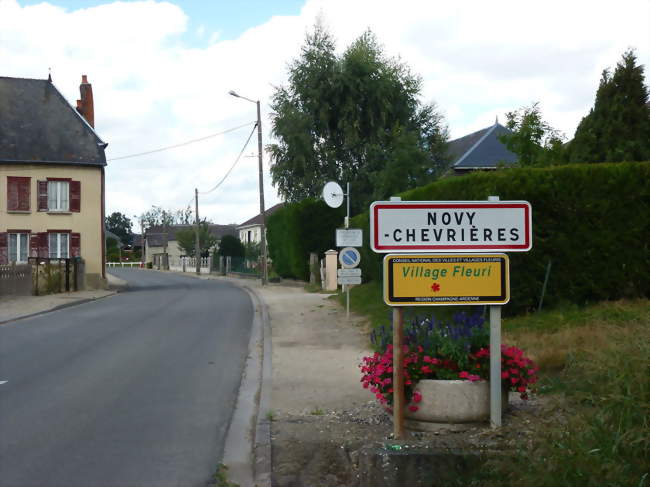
247,449
58,307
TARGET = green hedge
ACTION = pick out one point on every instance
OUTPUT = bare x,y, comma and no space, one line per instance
591,220
297,229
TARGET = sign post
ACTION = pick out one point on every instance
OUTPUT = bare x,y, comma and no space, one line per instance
467,271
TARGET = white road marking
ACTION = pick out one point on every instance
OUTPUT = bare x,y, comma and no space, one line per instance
3,382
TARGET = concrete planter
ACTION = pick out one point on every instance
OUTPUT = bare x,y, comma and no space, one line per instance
451,402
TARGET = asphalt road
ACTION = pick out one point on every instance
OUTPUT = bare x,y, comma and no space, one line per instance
131,390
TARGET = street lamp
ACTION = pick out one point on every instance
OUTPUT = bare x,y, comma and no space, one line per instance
261,179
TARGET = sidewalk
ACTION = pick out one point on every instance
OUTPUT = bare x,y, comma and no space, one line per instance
18,307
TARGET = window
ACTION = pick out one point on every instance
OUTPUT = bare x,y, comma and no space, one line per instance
18,245
58,195
58,245
18,193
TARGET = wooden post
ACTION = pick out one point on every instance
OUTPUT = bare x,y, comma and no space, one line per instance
197,244
398,373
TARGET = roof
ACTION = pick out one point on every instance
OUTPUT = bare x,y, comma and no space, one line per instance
156,234
481,149
38,125
257,219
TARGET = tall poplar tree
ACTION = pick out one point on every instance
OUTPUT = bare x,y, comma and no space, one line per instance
617,128
353,117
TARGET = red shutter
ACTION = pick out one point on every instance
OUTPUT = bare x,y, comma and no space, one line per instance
4,250
75,245
12,193
33,245
18,193
43,245
75,196
42,196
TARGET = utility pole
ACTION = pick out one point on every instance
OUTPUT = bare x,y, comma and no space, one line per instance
197,245
259,155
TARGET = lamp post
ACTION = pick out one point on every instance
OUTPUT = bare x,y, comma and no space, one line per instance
261,180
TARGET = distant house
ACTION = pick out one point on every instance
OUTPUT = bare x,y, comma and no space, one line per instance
251,230
51,176
481,150
160,239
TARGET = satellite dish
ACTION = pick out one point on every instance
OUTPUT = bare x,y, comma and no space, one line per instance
333,194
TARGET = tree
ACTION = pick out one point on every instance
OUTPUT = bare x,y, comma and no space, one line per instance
121,226
186,239
157,216
354,117
231,246
534,141
617,128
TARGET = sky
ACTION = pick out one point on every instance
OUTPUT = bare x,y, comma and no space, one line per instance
161,72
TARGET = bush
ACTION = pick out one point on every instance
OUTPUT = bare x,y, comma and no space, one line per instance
590,220
297,229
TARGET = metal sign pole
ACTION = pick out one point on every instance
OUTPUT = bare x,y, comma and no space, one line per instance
398,373
347,225
495,366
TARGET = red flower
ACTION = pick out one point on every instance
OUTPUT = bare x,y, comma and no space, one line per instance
435,287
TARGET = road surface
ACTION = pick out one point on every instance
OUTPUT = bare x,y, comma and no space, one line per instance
131,390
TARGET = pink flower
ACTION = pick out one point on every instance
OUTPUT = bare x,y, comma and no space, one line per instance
417,397
413,408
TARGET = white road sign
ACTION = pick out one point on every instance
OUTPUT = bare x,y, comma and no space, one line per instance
349,280
349,237
450,226
356,272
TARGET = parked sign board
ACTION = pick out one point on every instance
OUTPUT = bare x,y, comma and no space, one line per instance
349,257
349,280
349,237
450,226
446,279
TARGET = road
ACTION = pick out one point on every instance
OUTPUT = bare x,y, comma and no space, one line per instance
132,390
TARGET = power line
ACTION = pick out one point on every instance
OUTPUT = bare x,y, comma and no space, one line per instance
181,144
233,166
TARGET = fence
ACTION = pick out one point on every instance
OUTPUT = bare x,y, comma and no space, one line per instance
188,264
124,264
57,275
15,279
240,265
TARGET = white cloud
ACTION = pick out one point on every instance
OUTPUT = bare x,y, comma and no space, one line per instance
477,61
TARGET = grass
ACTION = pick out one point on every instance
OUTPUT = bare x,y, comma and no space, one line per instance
599,359
317,412
220,478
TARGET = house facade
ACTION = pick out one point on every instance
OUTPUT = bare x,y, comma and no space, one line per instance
250,232
51,176
161,239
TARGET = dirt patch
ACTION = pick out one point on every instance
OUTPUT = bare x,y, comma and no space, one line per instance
322,417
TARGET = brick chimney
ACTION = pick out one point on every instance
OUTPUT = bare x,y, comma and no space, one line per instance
85,106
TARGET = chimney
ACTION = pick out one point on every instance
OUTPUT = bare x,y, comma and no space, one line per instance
85,106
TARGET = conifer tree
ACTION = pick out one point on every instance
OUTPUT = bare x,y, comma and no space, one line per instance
617,128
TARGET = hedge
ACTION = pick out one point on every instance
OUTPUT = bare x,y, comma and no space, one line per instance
591,220
296,230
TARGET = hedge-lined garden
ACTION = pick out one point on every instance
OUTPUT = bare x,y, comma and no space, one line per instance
591,220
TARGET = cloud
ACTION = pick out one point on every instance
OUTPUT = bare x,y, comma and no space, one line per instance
152,88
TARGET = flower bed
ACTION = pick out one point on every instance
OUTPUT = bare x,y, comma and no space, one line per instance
438,350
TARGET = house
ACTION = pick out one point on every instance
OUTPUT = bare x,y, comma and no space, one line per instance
161,239
51,176
251,230
481,150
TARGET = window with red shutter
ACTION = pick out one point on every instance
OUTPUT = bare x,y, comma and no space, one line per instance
42,196
43,246
33,245
75,245
4,250
18,193
75,196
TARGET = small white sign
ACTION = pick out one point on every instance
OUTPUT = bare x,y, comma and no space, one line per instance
349,237
349,257
349,272
349,280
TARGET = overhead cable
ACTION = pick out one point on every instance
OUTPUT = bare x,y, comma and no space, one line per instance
234,164
182,143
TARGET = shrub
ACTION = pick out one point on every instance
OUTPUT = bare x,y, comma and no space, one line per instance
590,220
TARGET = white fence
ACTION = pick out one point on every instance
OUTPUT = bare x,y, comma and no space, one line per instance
124,264
188,264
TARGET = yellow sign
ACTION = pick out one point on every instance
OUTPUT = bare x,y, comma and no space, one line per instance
438,280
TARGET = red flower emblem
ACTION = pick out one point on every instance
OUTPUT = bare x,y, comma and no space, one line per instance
435,287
